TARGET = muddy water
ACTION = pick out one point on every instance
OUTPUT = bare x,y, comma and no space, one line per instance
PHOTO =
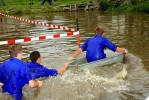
125,30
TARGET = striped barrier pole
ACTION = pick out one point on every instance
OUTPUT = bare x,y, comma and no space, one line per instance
28,39
39,23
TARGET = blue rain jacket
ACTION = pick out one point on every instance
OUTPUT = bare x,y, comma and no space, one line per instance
38,70
14,74
95,46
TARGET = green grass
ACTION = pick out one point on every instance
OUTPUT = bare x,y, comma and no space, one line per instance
38,2
140,7
137,7
23,7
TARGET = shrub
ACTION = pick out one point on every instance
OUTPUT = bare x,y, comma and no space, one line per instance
104,5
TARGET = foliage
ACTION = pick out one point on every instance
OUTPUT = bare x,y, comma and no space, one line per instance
139,7
22,6
142,7
135,5
104,5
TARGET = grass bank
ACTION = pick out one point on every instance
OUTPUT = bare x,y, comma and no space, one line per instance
135,6
140,7
24,7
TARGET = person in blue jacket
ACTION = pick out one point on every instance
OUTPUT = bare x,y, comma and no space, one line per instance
95,46
37,70
15,73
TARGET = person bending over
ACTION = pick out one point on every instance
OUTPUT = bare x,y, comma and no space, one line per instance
95,46
37,70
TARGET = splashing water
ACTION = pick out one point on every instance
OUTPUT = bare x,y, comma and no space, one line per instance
122,74
94,80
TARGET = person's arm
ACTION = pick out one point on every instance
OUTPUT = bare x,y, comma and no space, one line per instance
61,70
113,47
79,50
52,72
33,83
118,49
76,53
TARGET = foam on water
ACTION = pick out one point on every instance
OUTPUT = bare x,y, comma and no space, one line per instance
113,84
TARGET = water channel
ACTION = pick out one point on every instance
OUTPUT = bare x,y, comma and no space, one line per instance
129,30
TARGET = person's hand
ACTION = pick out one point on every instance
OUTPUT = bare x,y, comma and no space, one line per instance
125,51
61,70
39,83
66,65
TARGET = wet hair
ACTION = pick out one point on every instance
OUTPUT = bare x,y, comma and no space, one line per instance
99,30
14,50
34,56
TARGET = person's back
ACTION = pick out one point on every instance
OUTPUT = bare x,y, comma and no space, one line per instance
95,46
14,77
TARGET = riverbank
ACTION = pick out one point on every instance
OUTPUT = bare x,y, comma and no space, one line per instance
24,7
125,5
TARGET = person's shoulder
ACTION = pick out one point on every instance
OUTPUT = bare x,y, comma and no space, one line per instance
33,64
8,60
105,38
12,61
21,63
40,65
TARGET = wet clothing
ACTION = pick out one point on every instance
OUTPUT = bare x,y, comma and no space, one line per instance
38,70
15,74
95,46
